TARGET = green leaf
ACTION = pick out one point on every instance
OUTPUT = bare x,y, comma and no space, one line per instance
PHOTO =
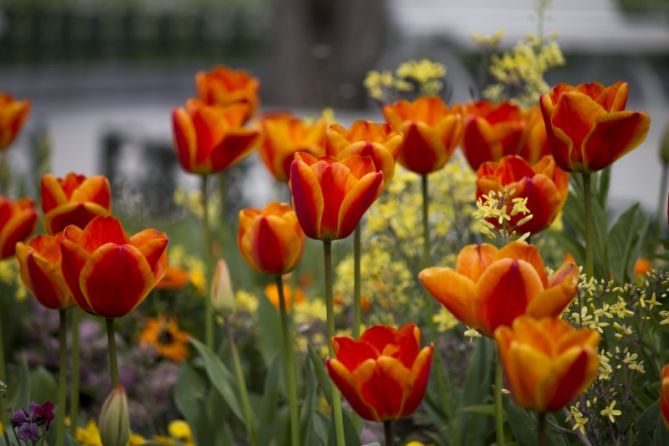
267,415
477,390
307,424
625,242
269,330
483,409
18,387
220,377
351,437
603,182
321,373
190,392
43,385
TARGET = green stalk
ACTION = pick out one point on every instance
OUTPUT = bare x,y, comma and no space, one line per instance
499,408
388,432
208,307
74,384
241,385
329,306
62,383
111,347
662,200
3,375
541,429
589,265
426,223
289,364
357,313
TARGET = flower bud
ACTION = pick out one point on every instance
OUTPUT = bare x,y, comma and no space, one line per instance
114,422
222,296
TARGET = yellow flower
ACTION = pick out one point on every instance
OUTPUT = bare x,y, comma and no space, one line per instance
180,430
164,336
610,412
88,435
136,440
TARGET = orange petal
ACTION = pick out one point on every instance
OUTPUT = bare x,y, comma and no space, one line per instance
153,245
455,291
573,371
235,145
185,139
521,250
420,374
52,193
307,197
422,151
552,301
19,227
357,201
103,230
350,388
474,259
78,214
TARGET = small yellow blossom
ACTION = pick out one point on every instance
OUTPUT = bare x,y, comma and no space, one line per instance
610,412
444,320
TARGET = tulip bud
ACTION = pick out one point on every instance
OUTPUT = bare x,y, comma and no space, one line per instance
664,146
222,296
114,422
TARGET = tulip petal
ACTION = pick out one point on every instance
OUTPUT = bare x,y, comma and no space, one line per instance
474,259
478,142
74,257
78,214
103,230
422,151
47,283
420,374
396,380
521,250
18,228
348,385
531,367
352,353
153,246
614,135
357,201
455,292
552,301
573,371
185,139
235,145
307,197
52,193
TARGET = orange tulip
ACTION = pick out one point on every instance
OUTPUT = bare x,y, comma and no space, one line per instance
664,395
39,268
330,197
547,362
74,200
17,222
108,273
491,287
291,296
384,374
431,131
642,266
588,126
175,278
208,138
534,142
366,138
283,135
491,131
544,185
13,114
271,241
225,86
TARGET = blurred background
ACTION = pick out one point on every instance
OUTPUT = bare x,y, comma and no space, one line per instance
103,76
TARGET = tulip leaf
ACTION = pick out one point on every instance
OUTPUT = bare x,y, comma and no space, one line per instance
321,374
650,427
269,404
189,396
351,437
477,390
220,377
307,424
625,242
18,387
317,434
43,386
483,409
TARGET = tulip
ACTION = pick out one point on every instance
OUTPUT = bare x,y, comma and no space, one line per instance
74,200
534,142
17,222
221,294
664,395
543,184
588,126
547,362
491,287
492,131
384,374
366,138
13,114
96,258
208,138
271,240
283,135
225,86
40,271
330,197
431,131
114,421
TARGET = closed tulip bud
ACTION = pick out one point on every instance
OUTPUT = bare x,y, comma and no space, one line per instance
221,294
270,240
664,395
74,200
17,222
588,126
664,146
13,114
223,86
547,362
384,374
114,421
491,287
431,132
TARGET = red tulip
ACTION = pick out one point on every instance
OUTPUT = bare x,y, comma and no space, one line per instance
109,273
13,114
74,200
225,86
664,395
534,142
17,222
384,374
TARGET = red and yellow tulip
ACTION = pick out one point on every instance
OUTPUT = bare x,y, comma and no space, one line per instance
223,86
17,222
283,135
491,287
384,374
74,200
431,132
40,271
491,131
330,197
208,138
13,114
108,273
588,126
543,184
366,138
664,395
534,143
547,362
270,240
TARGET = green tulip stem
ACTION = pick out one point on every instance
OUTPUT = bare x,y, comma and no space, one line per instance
111,347
388,432
208,306
499,408
357,312
589,265
662,202
289,364
329,306
74,382
62,373
541,429
426,222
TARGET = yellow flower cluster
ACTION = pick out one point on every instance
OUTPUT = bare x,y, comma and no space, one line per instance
424,77
491,41
9,275
180,434
493,207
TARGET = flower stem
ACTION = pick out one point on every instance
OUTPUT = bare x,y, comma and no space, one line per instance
111,347
62,383
357,313
74,384
499,408
541,429
289,363
329,306
3,375
589,265
241,385
388,431
208,307
426,222
663,199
